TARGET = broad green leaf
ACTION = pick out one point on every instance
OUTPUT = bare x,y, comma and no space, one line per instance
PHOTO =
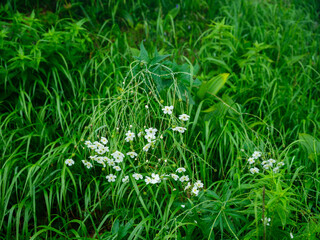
116,226
135,52
144,56
212,86
158,58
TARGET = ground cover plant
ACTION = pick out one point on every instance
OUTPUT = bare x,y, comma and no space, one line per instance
159,119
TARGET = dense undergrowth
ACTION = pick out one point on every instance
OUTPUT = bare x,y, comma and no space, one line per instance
247,74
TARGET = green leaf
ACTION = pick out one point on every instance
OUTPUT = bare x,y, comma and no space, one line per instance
219,62
213,86
124,229
173,13
144,56
115,226
135,52
311,144
158,58
222,107
283,216
212,194
128,18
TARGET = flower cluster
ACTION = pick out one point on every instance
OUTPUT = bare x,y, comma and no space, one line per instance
179,129
266,221
115,159
87,164
155,178
266,164
98,147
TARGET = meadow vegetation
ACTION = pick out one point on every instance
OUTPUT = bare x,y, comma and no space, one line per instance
160,119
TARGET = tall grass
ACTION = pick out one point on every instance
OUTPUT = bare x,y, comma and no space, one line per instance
62,69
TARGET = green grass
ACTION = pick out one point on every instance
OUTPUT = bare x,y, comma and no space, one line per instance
75,72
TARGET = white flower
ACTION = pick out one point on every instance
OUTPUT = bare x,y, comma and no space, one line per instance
271,162
117,153
111,162
184,178
280,164
198,184
99,151
102,150
130,136
264,162
105,149
167,110
87,164
251,160
140,134
291,235
149,137
111,178
101,161
179,129
93,157
164,176
104,140
92,146
267,166
146,106
183,206
195,191
155,178
137,176
174,176
125,179
117,168
276,170
147,180
99,145
151,131
118,156
146,147
256,154
132,154
118,159
87,143
254,170
180,170
184,117
128,139
69,162
266,221
188,186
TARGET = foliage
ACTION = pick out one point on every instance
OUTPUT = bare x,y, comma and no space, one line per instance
246,72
